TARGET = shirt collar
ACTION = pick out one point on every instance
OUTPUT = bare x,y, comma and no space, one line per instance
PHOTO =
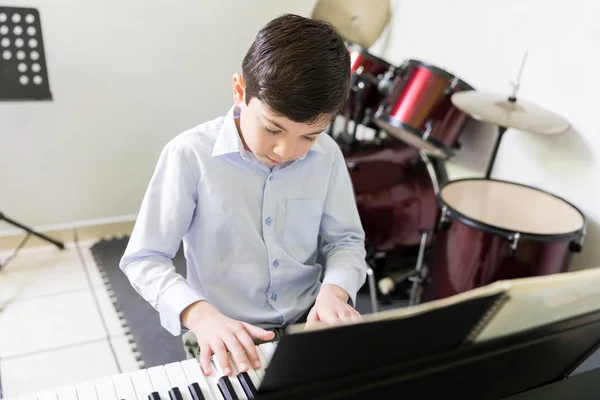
229,141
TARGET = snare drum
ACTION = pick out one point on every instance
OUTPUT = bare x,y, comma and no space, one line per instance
493,230
419,109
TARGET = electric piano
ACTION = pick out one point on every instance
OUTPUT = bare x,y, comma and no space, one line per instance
492,342
174,381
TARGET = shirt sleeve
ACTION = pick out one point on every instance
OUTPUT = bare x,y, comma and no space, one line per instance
165,215
342,233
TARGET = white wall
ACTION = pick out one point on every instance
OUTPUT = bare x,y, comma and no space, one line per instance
483,42
126,76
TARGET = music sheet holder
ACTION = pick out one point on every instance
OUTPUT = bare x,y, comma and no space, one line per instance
488,343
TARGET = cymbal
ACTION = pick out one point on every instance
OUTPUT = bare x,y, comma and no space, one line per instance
499,110
357,21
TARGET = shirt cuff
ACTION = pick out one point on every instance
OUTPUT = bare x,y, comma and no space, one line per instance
172,302
345,276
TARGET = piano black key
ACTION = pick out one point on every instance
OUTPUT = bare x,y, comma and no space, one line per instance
154,396
175,394
226,388
196,391
248,385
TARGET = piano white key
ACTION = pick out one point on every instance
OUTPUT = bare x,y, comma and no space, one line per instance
68,392
178,379
48,394
264,363
86,391
124,387
27,396
160,381
141,383
268,350
207,384
105,389
237,386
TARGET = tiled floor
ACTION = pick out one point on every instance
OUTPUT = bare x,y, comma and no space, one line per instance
57,322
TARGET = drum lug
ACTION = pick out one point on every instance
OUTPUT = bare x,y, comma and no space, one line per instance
428,128
444,222
575,247
515,243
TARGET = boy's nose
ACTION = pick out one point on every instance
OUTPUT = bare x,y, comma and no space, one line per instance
284,150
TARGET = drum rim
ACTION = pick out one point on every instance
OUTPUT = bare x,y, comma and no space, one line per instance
416,132
369,56
438,71
505,232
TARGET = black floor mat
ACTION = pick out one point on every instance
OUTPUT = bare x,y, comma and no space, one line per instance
156,345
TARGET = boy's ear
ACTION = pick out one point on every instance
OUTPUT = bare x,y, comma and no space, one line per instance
239,89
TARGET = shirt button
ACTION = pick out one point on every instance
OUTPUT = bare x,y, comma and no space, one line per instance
268,221
276,263
274,296
270,177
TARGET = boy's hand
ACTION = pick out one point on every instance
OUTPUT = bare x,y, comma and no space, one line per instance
331,307
217,333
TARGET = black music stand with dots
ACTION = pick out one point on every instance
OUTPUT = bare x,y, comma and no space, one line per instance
23,73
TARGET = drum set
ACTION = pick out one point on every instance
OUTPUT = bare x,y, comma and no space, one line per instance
429,237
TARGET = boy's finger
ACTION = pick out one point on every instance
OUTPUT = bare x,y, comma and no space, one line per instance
250,349
221,359
205,353
258,333
237,351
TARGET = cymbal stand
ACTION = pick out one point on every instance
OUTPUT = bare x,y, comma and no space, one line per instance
502,129
419,276
488,172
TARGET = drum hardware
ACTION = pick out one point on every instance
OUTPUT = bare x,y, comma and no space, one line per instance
419,276
575,247
372,290
444,221
514,243
432,172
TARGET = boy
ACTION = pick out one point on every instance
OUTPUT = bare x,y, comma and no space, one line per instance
250,194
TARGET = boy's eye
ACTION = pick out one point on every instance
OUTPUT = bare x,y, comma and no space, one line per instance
272,132
310,138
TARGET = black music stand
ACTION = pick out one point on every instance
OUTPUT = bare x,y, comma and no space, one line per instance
23,71
428,357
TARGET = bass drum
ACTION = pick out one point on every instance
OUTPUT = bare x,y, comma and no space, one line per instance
493,230
395,188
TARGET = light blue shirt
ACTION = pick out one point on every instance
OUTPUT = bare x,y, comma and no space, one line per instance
250,233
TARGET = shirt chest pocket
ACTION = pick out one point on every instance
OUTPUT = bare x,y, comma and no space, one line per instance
302,223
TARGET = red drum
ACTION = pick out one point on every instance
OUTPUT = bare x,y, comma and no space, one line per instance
368,71
494,230
419,109
395,190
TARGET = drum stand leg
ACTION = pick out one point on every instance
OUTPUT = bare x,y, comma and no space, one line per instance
372,290
418,276
501,130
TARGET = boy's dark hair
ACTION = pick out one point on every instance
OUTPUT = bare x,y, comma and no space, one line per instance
299,68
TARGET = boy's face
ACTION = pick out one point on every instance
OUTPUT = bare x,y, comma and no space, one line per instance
271,137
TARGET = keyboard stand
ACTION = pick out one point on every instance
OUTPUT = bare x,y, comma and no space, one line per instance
486,370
